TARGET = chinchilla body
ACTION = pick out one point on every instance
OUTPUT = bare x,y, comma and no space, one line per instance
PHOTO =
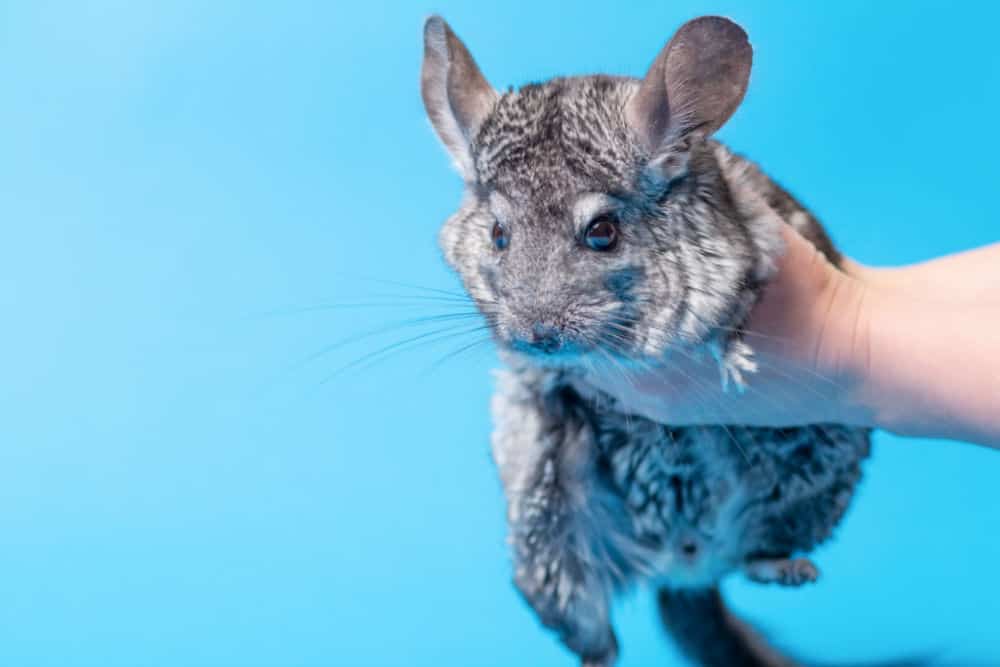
599,230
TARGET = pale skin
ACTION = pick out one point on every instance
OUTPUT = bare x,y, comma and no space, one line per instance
914,350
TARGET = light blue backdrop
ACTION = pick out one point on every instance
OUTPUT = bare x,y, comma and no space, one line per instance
178,180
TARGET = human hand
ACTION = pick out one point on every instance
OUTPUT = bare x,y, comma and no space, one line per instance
809,337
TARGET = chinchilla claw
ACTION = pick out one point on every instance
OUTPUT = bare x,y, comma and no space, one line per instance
736,361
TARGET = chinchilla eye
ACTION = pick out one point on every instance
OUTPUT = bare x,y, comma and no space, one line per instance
602,232
499,236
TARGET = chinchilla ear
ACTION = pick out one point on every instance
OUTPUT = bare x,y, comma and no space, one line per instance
694,85
456,95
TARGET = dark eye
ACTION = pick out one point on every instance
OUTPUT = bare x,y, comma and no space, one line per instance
602,233
499,236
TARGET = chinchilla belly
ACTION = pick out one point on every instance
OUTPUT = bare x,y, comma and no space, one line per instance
638,500
701,501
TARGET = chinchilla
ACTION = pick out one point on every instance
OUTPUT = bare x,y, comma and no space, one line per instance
598,226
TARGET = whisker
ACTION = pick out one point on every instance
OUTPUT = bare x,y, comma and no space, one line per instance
454,353
802,367
719,405
397,283
371,301
392,326
370,358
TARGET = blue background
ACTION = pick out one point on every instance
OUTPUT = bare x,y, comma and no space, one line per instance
181,182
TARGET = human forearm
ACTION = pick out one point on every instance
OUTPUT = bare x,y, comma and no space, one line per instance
969,276
928,368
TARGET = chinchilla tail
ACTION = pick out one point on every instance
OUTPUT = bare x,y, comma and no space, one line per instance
708,634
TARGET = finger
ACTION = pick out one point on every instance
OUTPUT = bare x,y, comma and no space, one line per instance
596,387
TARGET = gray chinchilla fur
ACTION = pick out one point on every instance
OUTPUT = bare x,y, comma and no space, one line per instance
599,228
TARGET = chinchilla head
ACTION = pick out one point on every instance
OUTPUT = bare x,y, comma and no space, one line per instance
596,222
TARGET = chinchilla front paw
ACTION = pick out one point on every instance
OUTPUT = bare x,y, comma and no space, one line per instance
736,360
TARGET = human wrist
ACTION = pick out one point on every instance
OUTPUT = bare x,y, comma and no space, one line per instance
876,395
845,315
876,277
879,308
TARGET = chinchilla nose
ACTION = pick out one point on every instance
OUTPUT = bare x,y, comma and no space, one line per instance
545,337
